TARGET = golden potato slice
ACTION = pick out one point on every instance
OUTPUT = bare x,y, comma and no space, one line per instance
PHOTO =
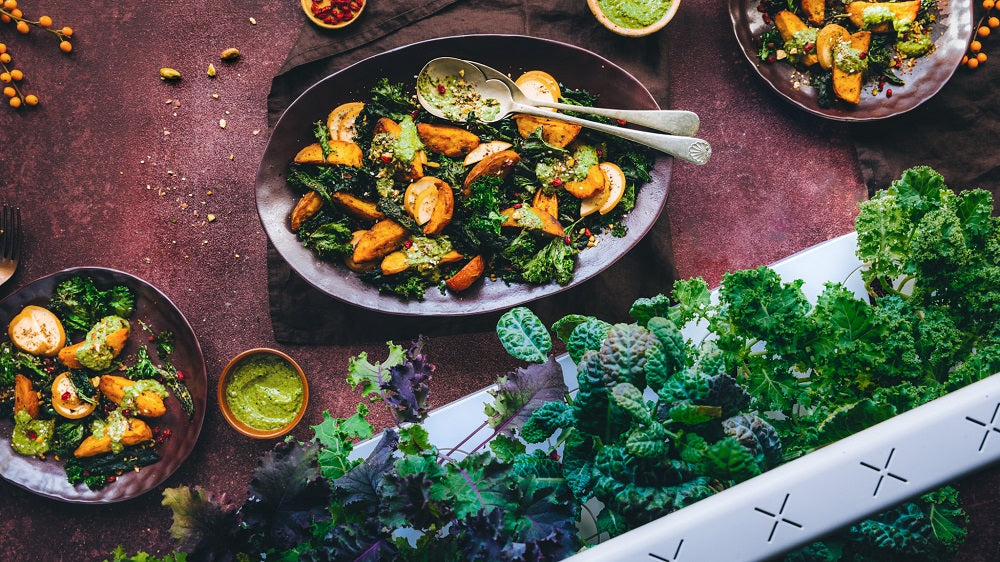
485,149
614,185
444,208
349,259
539,85
815,11
827,40
499,164
901,11
312,154
394,263
414,190
788,25
386,125
345,153
447,139
37,331
384,237
533,219
423,209
307,207
555,132
25,396
357,206
467,275
847,86
451,257
588,186
547,203
342,121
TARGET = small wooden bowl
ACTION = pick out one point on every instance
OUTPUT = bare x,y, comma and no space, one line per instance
634,31
228,413
307,8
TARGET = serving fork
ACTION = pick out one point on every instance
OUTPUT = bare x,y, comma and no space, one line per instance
10,241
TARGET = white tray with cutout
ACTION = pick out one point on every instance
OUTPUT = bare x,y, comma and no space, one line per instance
803,500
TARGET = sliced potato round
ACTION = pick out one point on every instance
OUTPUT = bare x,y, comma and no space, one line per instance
614,185
341,122
423,208
593,204
66,400
827,40
484,150
414,190
37,331
539,85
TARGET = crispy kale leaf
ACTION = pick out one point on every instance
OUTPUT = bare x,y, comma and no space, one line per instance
205,524
80,304
519,393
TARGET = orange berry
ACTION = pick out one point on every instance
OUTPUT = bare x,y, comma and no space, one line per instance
988,4
973,63
983,31
17,75
67,31
65,46
5,77
22,27
9,92
5,18
10,4
31,99
3,48
16,13
975,46
5,57
45,21
965,59
15,102
993,21
981,57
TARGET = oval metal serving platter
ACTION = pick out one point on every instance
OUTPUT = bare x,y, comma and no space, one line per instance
48,478
574,66
951,33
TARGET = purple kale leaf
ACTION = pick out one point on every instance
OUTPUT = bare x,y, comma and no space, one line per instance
413,495
359,542
205,524
362,483
407,386
287,495
521,392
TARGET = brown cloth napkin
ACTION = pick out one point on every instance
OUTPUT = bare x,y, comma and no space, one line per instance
956,132
303,315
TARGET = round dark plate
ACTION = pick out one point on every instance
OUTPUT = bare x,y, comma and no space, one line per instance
573,66
48,478
951,33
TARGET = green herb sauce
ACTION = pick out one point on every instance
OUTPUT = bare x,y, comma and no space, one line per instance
425,253
95,353
848,59
31,437
457,98
113,427
796,46
875,15
573,168
634,14
264,392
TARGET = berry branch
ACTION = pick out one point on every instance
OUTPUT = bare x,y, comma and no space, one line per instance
9,12
987,22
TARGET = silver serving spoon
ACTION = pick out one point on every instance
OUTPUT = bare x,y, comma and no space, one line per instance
673,121
492,100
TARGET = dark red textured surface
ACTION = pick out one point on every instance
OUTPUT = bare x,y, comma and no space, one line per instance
108,172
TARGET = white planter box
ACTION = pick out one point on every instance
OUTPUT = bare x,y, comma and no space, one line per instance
803,500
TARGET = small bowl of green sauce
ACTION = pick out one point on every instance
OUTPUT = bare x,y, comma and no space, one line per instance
634,18
263,393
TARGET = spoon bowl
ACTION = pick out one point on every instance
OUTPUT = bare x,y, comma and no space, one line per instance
455,89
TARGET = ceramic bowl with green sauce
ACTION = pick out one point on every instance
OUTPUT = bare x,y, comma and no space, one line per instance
634,18
263,393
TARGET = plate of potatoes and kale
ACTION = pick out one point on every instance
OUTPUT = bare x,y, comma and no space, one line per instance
853,61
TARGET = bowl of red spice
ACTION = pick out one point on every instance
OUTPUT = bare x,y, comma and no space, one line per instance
333,14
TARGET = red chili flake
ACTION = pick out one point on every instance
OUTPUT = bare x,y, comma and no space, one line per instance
408,244
414,113
32,435
587,233
621,121
809,47
150,338
112,479
66,395
600,152
127,413
180,375
567,240
771,58
508,163
441,89
863,55
386,158
767,18
517,205
888,93
557,181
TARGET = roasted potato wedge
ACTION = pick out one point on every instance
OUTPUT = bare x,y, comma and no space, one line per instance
386,125
357,206
342,121
467,275
136,432
25,396
547,203
394,263
901,11
534,219
384,237
847,86
815,11
349,259
308,205
588,186
485,149
499,164
312,154
341,152
788,25
444,209
555,132
447,139
147,404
